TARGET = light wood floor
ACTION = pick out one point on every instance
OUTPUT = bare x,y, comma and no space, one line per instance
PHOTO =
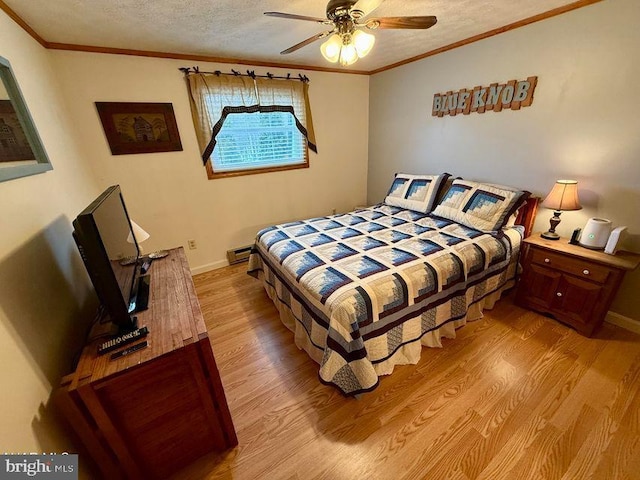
515,396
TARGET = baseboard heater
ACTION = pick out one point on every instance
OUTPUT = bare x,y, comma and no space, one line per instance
239,255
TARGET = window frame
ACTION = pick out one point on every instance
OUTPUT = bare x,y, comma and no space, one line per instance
211,174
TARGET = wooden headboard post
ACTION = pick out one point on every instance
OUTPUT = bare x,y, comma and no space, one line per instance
527,215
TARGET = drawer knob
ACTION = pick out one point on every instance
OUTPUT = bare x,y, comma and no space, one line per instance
559,294
586,272
546,260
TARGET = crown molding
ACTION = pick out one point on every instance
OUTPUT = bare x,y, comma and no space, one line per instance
198,58
259,63
25,26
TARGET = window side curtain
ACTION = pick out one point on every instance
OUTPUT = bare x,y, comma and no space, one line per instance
284,93
209,94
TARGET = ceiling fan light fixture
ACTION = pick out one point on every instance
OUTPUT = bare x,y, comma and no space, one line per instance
348,54
331,48
347,41
363,42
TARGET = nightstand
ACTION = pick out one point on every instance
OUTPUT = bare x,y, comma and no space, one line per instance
572,283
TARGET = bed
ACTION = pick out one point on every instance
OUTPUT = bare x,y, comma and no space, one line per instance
365,290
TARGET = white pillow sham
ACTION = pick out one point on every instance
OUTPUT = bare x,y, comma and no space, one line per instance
415,192
481,206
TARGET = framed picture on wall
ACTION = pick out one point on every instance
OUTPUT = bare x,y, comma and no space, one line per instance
14,145
139,127
22,152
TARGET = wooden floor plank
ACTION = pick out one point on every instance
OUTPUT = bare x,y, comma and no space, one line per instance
566,447
530,465
503,464
591,453
441,451
515,395
599,382
618,456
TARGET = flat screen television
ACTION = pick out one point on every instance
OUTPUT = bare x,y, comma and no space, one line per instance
111,255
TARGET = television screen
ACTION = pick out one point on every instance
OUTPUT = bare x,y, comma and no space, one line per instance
106,242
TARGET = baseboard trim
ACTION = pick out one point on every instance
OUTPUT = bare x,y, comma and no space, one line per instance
622,321
209,266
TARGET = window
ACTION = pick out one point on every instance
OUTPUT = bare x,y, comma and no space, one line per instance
260,140
249,125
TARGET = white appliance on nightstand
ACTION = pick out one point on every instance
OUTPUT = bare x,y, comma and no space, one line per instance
598,234
595,233
614,240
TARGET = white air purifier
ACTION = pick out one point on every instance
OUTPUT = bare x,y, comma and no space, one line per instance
595,233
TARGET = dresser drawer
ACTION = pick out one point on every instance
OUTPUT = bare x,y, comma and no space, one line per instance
574,266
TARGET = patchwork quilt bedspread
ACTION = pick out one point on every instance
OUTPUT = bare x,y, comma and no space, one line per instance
365,283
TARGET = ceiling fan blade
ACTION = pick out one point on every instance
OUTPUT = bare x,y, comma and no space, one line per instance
296,17
306,42
401,22
368,6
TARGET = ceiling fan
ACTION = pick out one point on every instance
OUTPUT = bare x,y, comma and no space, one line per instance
347,39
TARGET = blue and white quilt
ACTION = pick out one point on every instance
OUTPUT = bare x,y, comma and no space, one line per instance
357,287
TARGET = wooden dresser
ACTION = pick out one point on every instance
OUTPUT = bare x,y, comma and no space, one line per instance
147,415
574,284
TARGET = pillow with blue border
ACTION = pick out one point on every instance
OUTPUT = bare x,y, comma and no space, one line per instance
415,192
481,206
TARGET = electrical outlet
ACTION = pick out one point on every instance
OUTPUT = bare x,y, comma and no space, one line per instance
192,244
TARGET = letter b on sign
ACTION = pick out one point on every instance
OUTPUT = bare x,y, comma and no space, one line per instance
522,89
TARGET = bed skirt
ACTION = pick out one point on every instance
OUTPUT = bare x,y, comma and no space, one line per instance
441,321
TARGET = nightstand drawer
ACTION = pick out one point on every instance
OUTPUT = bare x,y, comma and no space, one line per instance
574,266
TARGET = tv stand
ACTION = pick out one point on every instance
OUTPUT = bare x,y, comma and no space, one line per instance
128,328
148,414
142,295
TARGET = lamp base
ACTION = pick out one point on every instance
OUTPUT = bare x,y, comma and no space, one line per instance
550,235
554,222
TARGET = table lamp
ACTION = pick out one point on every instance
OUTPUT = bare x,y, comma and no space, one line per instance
563,197
139,234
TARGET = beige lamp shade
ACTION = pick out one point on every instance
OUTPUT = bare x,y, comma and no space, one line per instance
138,232
563,196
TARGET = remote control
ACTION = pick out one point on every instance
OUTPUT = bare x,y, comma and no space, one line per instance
129,350
125,339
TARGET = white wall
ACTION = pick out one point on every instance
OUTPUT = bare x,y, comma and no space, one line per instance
583,124
44,291
169,195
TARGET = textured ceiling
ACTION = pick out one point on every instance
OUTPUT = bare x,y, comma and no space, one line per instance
239,30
